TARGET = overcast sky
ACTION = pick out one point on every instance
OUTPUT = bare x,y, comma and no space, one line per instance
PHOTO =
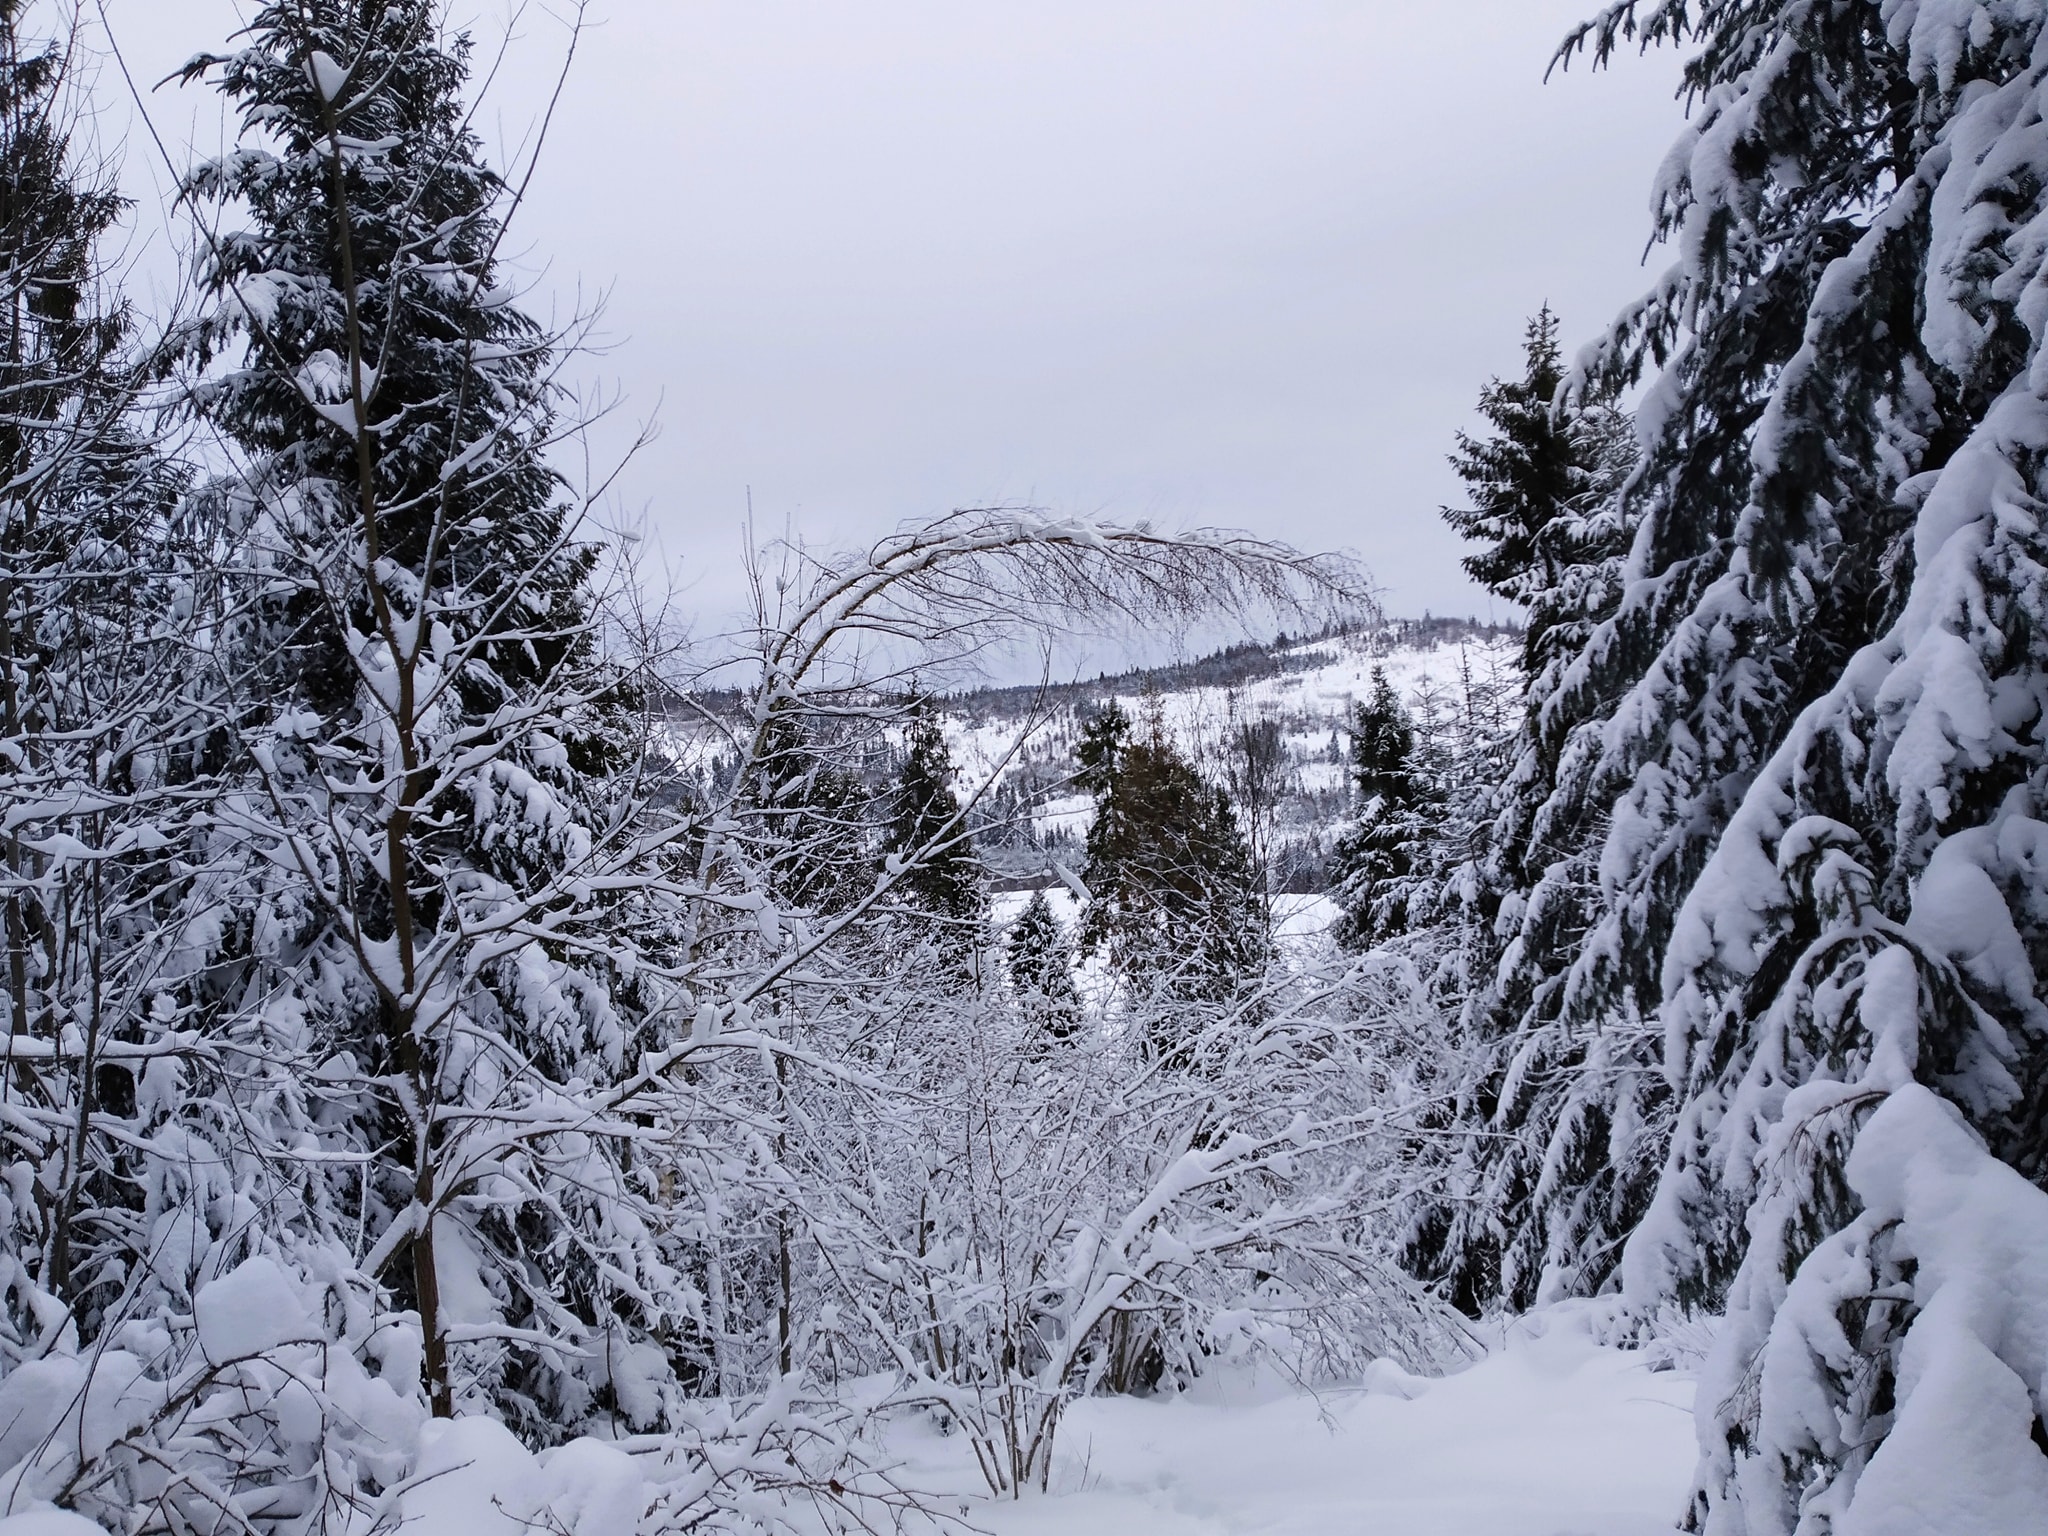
1237,262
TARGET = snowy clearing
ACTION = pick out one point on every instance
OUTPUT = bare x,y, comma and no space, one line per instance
1551,1436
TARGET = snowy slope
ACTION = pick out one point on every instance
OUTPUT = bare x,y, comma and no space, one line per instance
997,740
1310,703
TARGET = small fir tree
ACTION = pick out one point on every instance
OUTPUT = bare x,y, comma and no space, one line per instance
1173,897
1376,859
1042,971
928,831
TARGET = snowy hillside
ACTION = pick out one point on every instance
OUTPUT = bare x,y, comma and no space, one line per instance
1018,742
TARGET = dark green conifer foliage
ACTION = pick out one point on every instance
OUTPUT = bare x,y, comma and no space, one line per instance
381,269
925,815
1382,748
1174,899
1531,481
1520,475
815,819
1042,971
1376,858
1539,1194
1765,791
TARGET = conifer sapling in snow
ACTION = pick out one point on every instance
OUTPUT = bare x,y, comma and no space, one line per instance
928,839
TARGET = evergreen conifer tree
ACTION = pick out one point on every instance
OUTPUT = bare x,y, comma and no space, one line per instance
1806,747
1534,480
1376,858
1173,897
1256,771
434,926
813,817
1382,746
1042,971
928,831
1560,1120
938,911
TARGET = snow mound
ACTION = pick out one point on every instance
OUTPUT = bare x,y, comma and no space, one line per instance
249,1311
1973,1373
476,1479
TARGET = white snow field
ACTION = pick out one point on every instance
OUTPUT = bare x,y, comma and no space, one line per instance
1551,1435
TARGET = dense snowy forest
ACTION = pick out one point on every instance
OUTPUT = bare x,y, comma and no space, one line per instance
485,1052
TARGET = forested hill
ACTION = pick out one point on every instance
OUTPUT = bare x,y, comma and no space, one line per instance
1288,703
1235,666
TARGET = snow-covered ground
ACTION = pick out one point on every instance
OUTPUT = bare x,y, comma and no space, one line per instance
1303,919
1551,1435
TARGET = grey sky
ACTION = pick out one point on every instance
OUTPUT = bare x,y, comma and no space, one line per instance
1243,263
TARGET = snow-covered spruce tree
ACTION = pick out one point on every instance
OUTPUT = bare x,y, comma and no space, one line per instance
1840,700
1173,900
807,821
1041,966
1377,858
1558,1130
1792,403
436,939
1749,579
805,782
943,885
